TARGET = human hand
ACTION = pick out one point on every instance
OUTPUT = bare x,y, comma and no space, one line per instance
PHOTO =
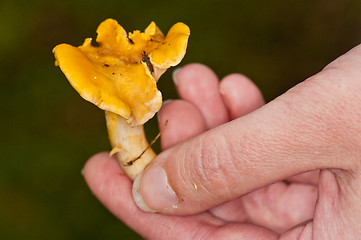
185,120
312,126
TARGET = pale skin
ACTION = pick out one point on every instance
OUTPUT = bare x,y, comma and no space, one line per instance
256,177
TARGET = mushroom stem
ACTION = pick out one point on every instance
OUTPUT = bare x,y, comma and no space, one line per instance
129,144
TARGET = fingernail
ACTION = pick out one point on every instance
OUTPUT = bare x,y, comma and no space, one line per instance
151,191
174,75
166,102
163,105
138,199
225,98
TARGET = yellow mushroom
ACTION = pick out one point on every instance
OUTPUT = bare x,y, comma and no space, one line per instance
120,76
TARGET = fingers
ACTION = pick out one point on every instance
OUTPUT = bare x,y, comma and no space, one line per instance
113,188
109,184
184,120
305,129
199,85
277,207
240,94
226,162
180,120
280,207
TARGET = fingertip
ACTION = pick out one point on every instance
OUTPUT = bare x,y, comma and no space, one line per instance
179,113
174,75
99,170
98,156
240,94
198,84
93,163
98,159
183,74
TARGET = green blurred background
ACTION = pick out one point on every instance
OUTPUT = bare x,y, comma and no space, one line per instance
48,131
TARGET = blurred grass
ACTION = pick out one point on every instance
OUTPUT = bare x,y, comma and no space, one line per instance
48,131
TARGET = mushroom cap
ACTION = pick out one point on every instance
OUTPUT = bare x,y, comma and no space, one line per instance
120,74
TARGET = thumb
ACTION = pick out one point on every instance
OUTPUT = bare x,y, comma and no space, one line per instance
312,126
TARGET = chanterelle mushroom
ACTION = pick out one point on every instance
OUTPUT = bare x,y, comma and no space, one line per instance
119,76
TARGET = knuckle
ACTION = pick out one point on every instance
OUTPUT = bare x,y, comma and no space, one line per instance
215,168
